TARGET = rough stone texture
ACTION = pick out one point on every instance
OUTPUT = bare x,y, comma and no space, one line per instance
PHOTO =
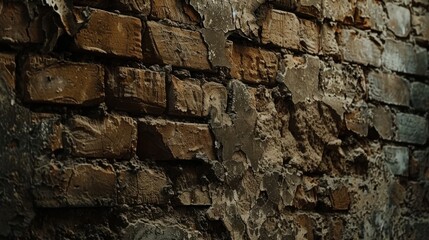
342,11
253,65
49,80
125,30
190,50
399,20
7,70
411,128
340,198
420,24
79,185
420,96
185,97
382,120
328,42
215,99
281,28
397,159
111,137
370,14
357,47
404,57
309,36
167,140
175,10
388,88
137,90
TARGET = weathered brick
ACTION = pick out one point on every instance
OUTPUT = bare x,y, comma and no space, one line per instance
185,97
359,48
420,96
142,7
370,14
281,29
388,88
339,10
167,140
396,193
382,120
145,186
110,33
79,185
215,97
307,7
404,57
49,129
397,159
16,26
111,137
305,227
194,197
172,45
357,120
340,198
399,19
420,25
50,80
302,77
328,42
175,10
253,65
137,90
7,70
309,36
419,164
411,128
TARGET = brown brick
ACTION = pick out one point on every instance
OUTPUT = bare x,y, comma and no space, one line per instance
388,88
145,186
110,33
420,25
309,36
340,198
305,226
194,197
7,70
359,48
382,120
142,7
328,42
215,97
370,14
49,130
339,10
185,97
49,80
172,45
357,121
253,65
281,29
79,185
307,7
167,140
112,137
16,25
175,10
399,19
137,90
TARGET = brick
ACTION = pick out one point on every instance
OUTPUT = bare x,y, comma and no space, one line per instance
175,10
404,57
194,197
111,137
420,96
185,97
215,97
419,164
50,80
340,198
309,36
311,8
339,10
358,48
336,229
397,158
172,45
281,29
420,25
7,70
49,130
16,25
167,140
305,227
357,121
145,186
142,7
397,193
253,65
79,185
382,120
137,90
370,14
411,128
399,21
302,77
103,27
388,88
328,42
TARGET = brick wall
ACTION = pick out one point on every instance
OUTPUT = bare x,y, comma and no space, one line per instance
173,119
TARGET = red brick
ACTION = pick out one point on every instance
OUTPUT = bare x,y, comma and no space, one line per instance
137,90
172,45
253,65
79,185
111,137
281,29
166,140
110,33
388,88
50,80
185,97
175,10
7,70
340,198
16,25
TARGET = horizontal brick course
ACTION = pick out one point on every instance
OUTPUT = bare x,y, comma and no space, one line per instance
388,88
411,128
